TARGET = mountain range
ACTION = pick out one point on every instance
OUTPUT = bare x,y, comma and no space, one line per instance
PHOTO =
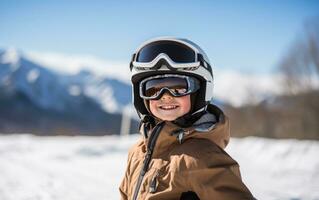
35,99
39,97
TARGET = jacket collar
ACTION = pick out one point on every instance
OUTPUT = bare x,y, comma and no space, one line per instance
213,126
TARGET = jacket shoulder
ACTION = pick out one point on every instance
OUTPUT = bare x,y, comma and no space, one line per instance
136,149
198,153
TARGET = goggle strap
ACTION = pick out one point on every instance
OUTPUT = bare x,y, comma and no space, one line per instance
203,62
132,60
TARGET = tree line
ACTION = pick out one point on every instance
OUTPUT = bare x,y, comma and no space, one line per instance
295,113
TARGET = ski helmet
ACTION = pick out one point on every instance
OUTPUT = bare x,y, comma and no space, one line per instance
164,55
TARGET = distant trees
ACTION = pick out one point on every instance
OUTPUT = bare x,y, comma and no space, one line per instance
295,114
300,70
300,66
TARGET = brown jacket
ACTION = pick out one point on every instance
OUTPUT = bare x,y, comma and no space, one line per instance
183,160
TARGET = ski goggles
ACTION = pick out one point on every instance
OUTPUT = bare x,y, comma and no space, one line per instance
177,55
154,87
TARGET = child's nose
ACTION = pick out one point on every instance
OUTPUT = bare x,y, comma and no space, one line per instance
166,96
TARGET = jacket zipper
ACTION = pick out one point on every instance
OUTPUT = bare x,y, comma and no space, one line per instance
148,156
154,183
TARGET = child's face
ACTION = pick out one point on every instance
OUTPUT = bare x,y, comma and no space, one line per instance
169,108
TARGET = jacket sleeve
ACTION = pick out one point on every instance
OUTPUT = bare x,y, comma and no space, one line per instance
123,189
217,178
125,182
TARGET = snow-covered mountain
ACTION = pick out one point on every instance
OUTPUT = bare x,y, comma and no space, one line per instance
27,87
57,91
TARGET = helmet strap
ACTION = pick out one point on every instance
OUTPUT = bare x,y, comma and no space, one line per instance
146,124
189,119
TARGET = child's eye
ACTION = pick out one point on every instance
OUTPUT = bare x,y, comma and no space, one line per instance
153,91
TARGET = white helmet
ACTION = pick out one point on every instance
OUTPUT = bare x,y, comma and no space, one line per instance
171,56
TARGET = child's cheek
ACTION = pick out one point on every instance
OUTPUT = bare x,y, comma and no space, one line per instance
185,103
152,104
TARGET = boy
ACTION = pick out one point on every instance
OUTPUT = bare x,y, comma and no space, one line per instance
181,154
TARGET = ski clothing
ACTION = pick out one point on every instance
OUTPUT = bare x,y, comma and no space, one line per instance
171,162
185,158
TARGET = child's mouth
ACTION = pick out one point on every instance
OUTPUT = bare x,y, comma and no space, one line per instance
168,107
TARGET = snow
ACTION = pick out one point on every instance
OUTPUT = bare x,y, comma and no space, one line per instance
11,55
239,88
83,167
70,168
73,64
104,94
33,75
74,90
278,169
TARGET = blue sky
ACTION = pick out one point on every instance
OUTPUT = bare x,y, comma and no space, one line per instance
248,36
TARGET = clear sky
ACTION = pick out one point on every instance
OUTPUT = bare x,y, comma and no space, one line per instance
249,36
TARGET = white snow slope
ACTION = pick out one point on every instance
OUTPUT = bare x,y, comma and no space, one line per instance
82,168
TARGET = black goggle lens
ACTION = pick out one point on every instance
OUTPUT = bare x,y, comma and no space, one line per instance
179,53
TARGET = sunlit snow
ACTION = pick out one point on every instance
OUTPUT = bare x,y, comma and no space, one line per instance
74,90
33,75
81,168
11,55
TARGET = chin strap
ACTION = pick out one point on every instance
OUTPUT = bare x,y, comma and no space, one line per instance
189,119
147,122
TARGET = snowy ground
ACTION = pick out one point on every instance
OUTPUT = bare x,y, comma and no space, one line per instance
81,168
